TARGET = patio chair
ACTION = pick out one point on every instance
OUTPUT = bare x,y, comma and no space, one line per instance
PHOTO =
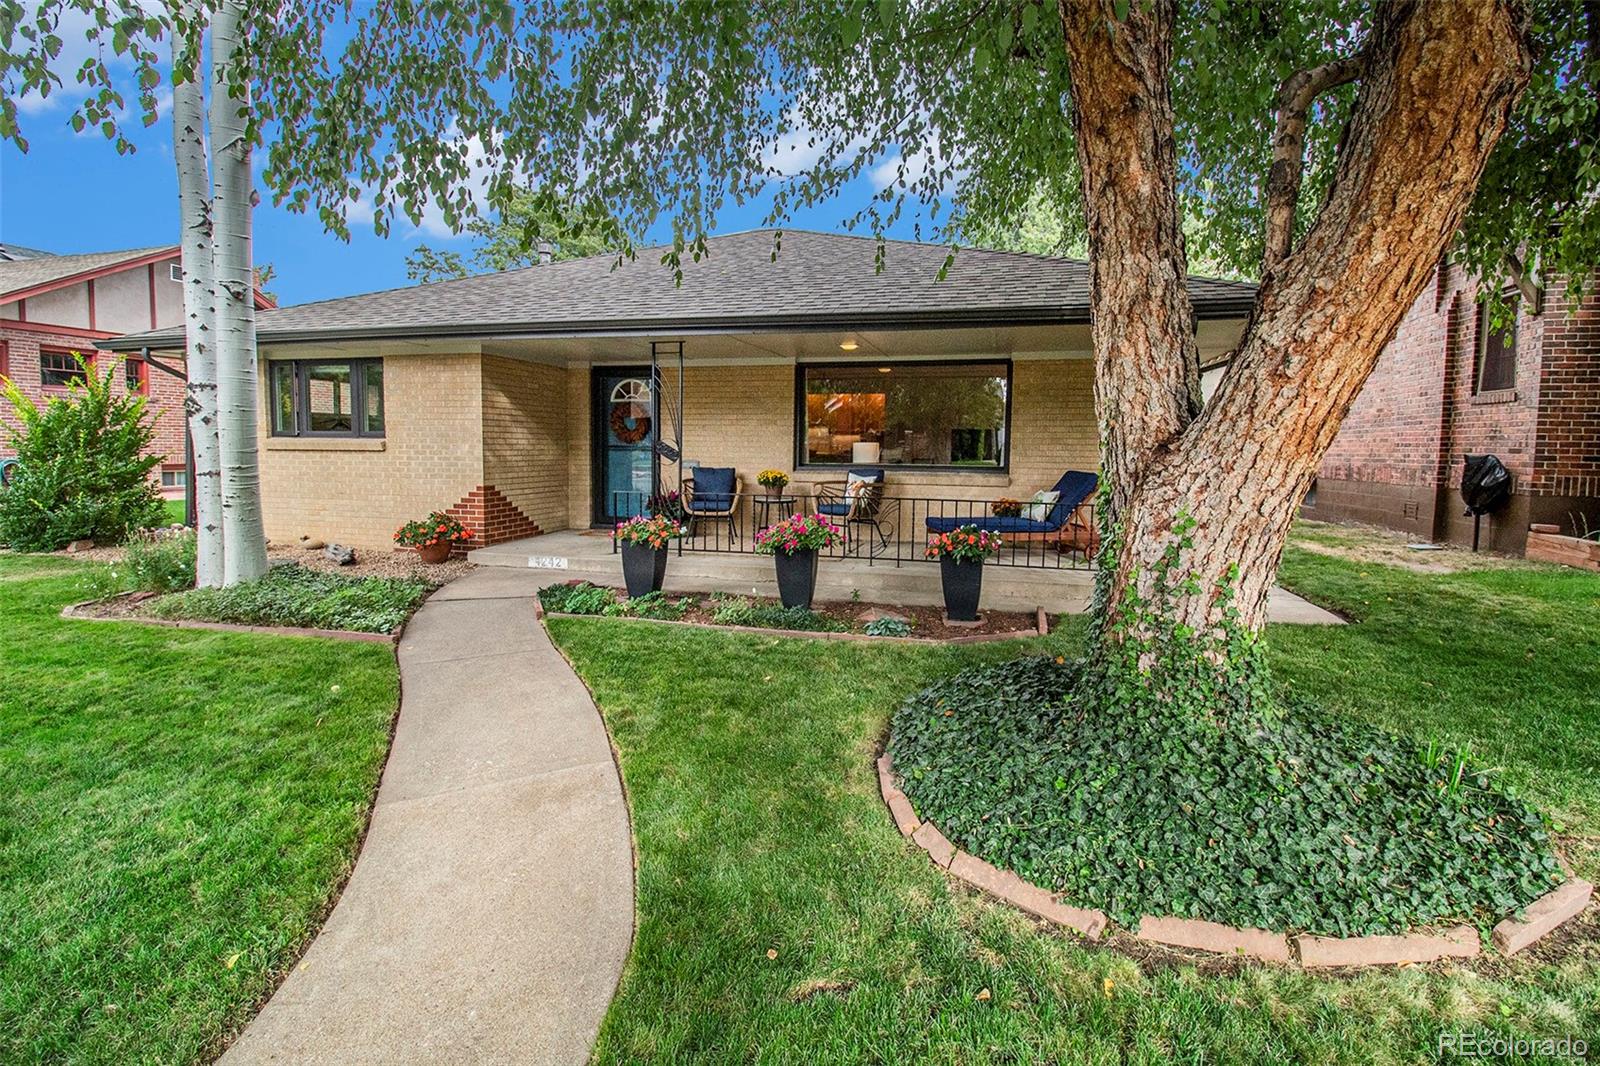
867,506
1068,526
712,495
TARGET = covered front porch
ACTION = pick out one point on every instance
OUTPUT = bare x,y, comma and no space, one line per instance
588,555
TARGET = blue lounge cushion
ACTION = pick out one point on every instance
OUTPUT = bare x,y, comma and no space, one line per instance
714,487
989,523
838,510
1075,487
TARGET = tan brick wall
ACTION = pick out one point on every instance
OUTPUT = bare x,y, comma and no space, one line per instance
743,416
358,491
526,415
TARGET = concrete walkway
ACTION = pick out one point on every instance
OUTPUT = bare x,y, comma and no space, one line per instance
491,909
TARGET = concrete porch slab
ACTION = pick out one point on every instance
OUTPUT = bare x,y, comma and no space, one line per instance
571,555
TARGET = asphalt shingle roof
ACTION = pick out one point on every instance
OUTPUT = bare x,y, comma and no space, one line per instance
817,279
19,275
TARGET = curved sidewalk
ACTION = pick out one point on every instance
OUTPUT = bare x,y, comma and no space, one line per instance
491,909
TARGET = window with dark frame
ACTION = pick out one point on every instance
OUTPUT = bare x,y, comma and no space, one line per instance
58,369
1497,353
136,376
952,415
327,397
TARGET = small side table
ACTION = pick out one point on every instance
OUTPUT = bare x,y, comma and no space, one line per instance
763,507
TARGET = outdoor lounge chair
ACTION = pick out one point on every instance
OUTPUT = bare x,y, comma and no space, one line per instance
868,507
712,495
1068,526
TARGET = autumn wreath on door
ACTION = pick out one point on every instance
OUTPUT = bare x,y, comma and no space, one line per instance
630,411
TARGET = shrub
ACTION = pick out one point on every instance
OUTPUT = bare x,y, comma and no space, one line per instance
296,596
888,627
743,611
1300,822
582,598
82,473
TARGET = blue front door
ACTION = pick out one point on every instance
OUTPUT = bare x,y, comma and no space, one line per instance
625,441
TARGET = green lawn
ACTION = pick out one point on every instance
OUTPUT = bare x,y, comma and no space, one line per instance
177,810
782,919
176,511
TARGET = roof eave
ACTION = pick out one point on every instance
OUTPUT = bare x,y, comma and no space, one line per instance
965,318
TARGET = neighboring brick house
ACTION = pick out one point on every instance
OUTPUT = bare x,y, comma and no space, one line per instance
54,305
523,401
1446,388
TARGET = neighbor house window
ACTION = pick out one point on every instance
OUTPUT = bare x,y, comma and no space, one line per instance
174,477
1497,353
136,375
327,398
60,369
905,414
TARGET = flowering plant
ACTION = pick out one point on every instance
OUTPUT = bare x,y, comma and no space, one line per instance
668,505
437,528
1006,507
967,544
647,531
799,533
773,479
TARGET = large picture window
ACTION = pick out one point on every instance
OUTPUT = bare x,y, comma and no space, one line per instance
327,398
955,415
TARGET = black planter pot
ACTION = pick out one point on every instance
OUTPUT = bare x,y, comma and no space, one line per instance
963,583
797,578
643,568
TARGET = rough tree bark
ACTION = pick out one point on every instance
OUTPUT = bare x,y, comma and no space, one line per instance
199,301
1436,85
246,548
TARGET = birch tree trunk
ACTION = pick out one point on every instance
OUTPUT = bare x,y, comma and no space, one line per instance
1437,84
199,299
246,549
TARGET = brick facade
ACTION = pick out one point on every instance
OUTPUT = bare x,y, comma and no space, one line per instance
73,317
505,445
1398,458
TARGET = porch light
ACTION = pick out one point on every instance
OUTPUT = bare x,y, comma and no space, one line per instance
848,345
884,369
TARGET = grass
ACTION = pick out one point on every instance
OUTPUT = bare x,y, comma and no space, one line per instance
176,511
177,809
782,919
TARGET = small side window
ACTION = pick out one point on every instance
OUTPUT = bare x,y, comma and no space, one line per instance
60,369
1497,353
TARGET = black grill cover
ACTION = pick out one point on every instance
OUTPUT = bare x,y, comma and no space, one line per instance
1485,484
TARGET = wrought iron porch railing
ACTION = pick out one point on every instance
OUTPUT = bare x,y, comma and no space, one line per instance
892,531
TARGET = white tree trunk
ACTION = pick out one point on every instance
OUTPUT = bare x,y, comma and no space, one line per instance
199,303
246,554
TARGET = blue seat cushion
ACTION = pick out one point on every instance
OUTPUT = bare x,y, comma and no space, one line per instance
989,523
713,488
838,510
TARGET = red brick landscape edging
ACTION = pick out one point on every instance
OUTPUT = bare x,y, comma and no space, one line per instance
1313,952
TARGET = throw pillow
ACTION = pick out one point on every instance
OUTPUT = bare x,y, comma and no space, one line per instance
1039,508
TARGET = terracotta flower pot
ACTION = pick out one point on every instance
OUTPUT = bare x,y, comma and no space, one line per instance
434,553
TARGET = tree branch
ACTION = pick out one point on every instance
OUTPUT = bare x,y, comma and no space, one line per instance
1295,97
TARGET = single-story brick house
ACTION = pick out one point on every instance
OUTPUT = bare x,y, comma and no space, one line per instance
1447,387
521,400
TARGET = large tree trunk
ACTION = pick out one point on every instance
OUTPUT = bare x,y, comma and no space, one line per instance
199,298
246,555
1437,84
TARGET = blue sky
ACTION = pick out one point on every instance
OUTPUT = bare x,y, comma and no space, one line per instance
73,193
